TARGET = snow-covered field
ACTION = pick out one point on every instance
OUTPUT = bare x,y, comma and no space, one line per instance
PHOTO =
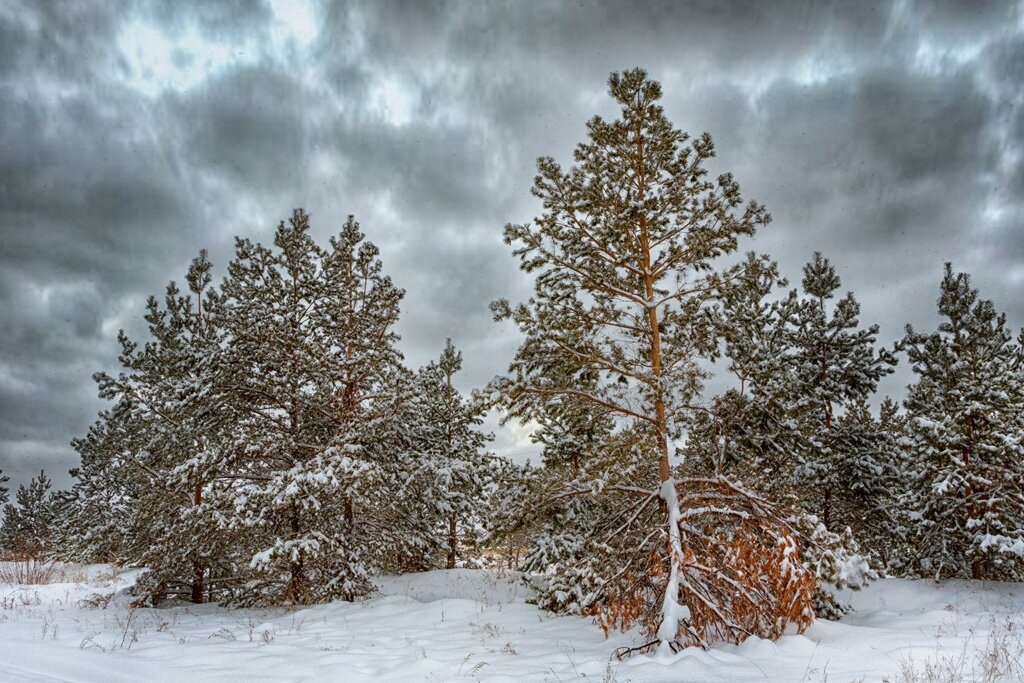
463,624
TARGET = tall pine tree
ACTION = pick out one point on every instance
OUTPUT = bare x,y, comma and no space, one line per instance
965,440
797,427
835,366
749,432
311,347
447,458
802,364
240,459
623,256
139,460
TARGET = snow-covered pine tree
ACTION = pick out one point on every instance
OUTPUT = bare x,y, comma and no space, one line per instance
869,473
311,343
800,366
465,468
749,433
835,365
407,536
237,440
97,514
28,524
166,389
765,430
570,431
408,454
623,254
965,506
431,453
890,537
840,466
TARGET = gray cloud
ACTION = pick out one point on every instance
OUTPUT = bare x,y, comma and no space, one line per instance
242,127
889,136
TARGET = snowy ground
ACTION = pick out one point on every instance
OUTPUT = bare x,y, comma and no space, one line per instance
463,624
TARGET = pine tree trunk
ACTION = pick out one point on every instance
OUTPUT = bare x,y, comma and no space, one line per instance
296,590
669,504
350,515
197,576
826,507
453,541
197,585
652,319
977,569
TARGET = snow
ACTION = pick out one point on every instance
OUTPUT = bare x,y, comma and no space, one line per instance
671,611
475,625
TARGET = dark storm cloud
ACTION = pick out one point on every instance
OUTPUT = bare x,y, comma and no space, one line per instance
880,171
1005,62
863,157
245,126
889,136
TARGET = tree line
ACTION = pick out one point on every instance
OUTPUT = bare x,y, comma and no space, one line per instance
267,443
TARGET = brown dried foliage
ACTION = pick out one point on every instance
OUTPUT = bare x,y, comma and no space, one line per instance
25,566
740,573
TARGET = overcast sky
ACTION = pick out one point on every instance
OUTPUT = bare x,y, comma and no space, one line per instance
888,136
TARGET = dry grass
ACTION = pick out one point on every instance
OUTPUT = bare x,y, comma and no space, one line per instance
999,658
27,571
96,601
30,571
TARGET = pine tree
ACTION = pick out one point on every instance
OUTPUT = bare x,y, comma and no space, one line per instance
749,432
797,427
444,471
835,366
402,465
28,525
166,386
3,490
463,471
623,255
98,520
868,471
240,458
965,505
311,345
